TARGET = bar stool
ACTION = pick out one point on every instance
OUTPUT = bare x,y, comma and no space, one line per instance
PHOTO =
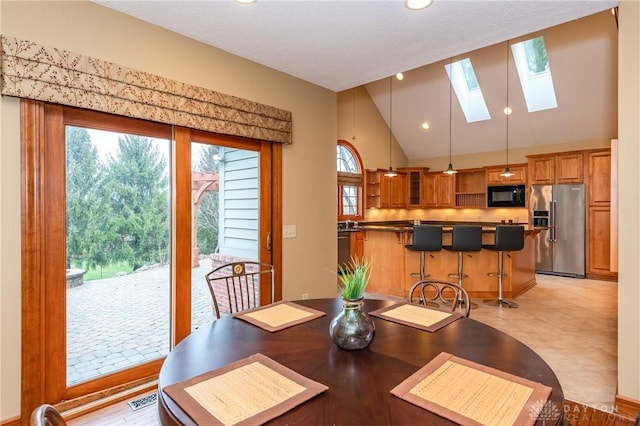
464,239
425,238
508,238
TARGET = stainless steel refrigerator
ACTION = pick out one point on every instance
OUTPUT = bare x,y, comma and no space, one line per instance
558,211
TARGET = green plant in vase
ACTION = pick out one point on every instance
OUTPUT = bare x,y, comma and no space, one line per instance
352,328
354,276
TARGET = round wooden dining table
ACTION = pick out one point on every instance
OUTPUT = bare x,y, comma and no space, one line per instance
359,381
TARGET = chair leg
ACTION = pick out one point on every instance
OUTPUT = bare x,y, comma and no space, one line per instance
500,301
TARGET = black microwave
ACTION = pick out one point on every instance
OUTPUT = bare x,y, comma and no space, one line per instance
505,196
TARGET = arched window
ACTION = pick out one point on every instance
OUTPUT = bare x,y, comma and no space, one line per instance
350,181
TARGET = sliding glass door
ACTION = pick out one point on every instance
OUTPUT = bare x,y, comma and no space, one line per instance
123,219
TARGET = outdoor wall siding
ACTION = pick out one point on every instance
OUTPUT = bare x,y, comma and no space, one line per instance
239,195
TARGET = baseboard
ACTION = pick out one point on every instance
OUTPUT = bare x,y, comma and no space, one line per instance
72,409
627,407
603,277
13,421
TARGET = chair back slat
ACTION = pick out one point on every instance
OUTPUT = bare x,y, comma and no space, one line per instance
235,286
435,292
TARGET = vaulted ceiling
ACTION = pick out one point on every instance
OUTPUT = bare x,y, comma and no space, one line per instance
344,44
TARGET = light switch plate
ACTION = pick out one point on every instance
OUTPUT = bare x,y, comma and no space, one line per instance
289,231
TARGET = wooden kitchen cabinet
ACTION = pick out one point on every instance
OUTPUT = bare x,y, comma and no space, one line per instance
599,253
396,187
386,250
519,175
385,192
413,186
471,188
599,215
542,170
599,171
548,169
437,190
357,244
570,168
373,189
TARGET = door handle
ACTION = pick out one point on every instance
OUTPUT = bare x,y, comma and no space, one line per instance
268,241
553,221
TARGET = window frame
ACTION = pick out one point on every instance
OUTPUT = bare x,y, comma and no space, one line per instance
359,187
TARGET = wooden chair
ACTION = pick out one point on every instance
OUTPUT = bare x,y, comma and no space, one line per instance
236,285
441,291
46,415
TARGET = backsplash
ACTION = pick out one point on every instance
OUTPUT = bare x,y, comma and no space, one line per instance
518,215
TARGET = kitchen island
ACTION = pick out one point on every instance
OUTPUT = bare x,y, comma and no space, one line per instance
384,243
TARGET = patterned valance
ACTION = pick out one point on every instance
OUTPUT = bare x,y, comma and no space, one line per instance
29,70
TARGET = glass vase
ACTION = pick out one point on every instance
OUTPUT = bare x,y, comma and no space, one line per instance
352,329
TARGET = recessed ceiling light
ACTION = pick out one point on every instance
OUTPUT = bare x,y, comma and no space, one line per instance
417,4
508,111
425,125
245,1
400,76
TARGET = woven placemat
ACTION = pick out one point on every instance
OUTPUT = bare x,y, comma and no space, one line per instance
473,394
418,316
251,391
278,316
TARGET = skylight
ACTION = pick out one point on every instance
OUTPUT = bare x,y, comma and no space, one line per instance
467,89
534,71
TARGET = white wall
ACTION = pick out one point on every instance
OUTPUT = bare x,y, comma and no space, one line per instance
309,187
629,201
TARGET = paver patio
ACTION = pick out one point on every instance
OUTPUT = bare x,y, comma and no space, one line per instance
118,322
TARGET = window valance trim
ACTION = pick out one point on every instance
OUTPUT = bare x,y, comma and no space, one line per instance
33,71
346,178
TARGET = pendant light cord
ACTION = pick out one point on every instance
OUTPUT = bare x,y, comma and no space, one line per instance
390,119
390,172
509,108
353,102
450,77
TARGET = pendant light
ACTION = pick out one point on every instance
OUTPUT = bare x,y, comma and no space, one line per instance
390,172
450,170
506,172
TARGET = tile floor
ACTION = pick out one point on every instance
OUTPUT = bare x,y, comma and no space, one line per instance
572,324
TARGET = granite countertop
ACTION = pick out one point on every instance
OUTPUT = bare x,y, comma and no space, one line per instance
407,226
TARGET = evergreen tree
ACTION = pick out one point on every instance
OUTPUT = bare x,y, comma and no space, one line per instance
537,55
139,201
83,171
